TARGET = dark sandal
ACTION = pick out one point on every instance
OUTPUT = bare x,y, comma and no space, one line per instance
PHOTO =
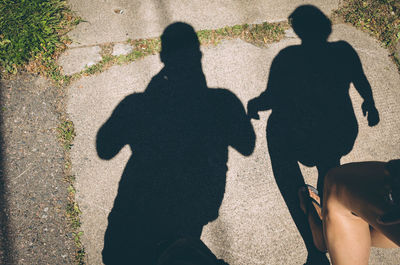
311,204
315,191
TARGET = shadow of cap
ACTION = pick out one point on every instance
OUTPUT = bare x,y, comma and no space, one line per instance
309,22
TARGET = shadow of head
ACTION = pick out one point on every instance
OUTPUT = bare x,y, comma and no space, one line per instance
310,24
180,47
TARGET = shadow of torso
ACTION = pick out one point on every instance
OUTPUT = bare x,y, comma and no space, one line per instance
174,182
312,112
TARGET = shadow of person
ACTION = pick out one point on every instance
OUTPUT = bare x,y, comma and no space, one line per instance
179,131
312,119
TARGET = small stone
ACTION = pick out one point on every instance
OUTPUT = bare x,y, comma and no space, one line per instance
121,49
44,216
90,64
46,209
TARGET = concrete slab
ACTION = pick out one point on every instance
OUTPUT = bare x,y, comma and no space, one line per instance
253,226
75,60
121,49
118,20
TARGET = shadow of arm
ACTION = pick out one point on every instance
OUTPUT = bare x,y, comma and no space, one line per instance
362,85
358,77
111,136
265,100
241,131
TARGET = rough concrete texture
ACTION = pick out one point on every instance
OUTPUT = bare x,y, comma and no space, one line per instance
75,60
254,226
34,227
121,49
118,20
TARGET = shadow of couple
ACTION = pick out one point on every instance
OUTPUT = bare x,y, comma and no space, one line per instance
179,131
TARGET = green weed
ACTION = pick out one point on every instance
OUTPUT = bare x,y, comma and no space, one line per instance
257,34
380,18
73,212
66,134
32,31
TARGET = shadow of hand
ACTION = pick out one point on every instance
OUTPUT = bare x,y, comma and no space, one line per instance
252,110
369,109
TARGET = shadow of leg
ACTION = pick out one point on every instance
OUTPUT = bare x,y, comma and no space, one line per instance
289,179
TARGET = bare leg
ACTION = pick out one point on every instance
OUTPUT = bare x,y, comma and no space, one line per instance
380,240
347,236
356,188
323,169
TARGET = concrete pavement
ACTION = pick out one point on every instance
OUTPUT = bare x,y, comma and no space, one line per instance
119,20
254,226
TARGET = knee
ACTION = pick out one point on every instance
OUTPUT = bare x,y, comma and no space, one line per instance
333,175
332,185
336,195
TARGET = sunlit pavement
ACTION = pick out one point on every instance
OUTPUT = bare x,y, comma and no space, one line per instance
254,226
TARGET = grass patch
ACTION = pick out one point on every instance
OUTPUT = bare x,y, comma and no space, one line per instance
73,212
381,18
141,48
33,34
146,47
66,134
257,34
